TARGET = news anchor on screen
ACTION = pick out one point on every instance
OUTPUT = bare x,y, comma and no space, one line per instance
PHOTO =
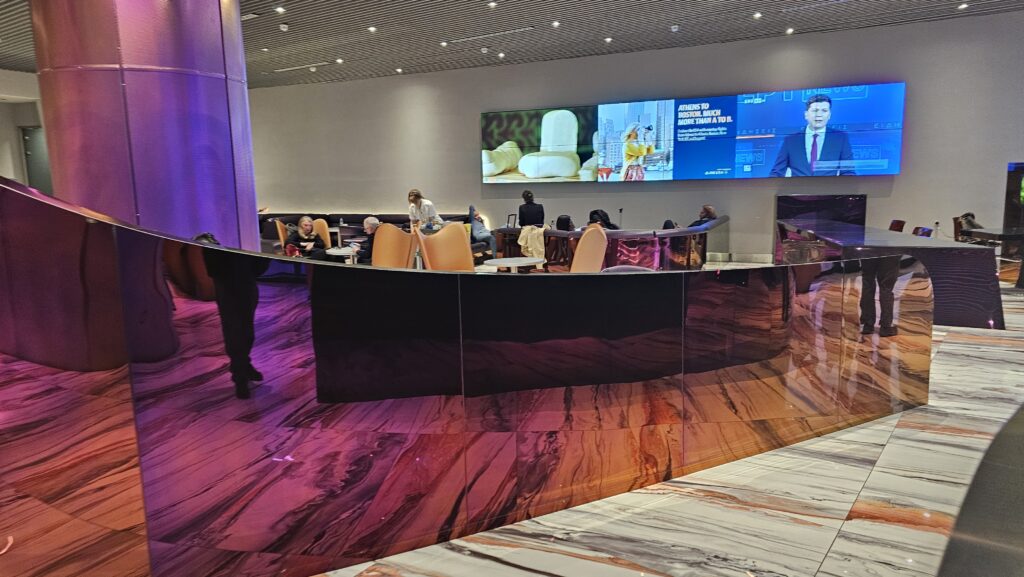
817,150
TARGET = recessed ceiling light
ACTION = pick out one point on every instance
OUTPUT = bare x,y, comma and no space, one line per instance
398,70
249,16
674,28
279,10
501,55
484,50
283,26
312,68
790,31
339,60
372,28
556,24
963,6
443,44
757,15
608,40
492,4
264,50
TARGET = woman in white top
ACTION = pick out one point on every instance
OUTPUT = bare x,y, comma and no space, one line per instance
422,212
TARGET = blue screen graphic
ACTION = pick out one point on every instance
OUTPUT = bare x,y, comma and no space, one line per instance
833,131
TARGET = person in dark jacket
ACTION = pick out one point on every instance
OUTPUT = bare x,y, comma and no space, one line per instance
306,241
601,217
530,213
707,214
364,251
237,295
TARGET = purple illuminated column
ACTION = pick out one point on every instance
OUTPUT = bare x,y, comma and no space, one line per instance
147,114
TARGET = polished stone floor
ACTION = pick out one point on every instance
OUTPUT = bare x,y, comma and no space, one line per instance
876,500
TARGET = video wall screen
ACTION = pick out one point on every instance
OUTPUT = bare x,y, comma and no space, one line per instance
831,131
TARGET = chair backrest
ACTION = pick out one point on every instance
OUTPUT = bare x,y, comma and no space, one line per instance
320,228
958,229
589,255
897,225
446,249
392,247
922,231
282,233
559,130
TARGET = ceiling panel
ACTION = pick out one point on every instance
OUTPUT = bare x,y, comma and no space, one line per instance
410,32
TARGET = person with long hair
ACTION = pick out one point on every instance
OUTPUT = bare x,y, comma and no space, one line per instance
636,144
601,217
422,212
530,213
306,241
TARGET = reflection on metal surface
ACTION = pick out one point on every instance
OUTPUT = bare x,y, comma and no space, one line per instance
391,409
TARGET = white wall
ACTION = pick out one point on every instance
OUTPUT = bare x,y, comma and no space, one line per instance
359,146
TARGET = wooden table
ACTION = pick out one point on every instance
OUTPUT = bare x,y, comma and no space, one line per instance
514,262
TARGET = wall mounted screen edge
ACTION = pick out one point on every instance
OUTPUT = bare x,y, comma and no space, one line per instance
827,131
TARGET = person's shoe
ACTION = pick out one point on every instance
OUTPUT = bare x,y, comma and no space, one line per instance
242,389
867,330
888,331
255,375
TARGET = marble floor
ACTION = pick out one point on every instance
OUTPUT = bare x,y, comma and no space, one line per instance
876,500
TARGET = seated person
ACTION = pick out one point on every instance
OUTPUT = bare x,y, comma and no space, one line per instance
422,212
564,222
706,215
479,231
968,222
306,242
601,217
669,224
364,251
530,213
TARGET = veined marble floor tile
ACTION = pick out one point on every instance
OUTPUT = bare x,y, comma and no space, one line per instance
865,549
683,536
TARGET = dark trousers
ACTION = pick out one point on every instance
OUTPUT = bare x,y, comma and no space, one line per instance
883,271
236,303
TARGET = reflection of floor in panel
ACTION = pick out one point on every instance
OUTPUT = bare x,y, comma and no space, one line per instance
877,499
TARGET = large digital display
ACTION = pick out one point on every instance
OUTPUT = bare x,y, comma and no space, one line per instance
832,131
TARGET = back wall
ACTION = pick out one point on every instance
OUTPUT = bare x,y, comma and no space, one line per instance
360,146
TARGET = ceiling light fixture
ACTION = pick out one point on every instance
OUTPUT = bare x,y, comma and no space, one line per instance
491,35
279,10
339,61
372,29
963,6
398,70
484,50
312,68
492,4
556,24
501,55
283,26
757,15
249,16
444,44
313,65
608,40
790,31
264,50
674,28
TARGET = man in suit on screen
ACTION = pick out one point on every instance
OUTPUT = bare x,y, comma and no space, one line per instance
817,150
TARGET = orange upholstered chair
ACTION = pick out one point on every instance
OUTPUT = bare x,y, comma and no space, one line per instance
320,228
392,247
589,255
282,233
447,249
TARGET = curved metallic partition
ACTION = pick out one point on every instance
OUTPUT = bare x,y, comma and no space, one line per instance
392,409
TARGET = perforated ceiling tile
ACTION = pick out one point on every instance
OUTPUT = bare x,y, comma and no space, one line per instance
409,33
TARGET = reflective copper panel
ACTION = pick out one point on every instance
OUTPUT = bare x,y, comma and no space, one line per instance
254,415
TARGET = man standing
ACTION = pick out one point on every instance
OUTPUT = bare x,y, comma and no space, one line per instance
817,150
